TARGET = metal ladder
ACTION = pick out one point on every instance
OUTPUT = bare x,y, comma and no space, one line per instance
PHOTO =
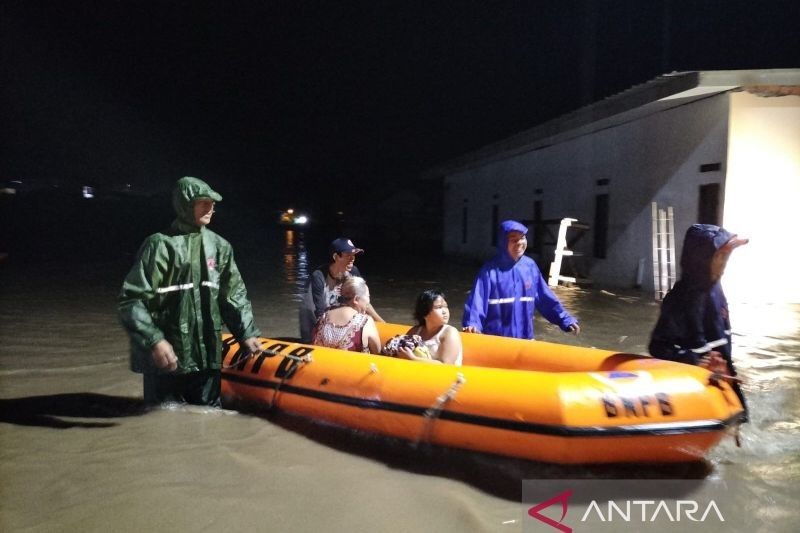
663,250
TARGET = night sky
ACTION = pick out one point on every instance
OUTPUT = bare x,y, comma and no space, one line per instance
322,96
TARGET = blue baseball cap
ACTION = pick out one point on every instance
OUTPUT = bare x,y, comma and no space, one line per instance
343,245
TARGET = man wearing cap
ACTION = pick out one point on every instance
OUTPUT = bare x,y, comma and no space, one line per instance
509,288
182,287
324,283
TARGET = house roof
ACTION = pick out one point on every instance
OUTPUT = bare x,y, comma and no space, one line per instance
663,92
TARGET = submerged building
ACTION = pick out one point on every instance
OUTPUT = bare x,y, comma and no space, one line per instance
719,147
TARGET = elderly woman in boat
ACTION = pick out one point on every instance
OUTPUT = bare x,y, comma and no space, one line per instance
441,340
347,326
323,287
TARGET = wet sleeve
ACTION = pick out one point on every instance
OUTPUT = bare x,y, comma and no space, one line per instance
476,306
672,353
318,292
549,306
679,333
138,296
696,340
235,307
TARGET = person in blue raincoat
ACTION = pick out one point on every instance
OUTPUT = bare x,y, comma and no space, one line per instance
694,326
508,290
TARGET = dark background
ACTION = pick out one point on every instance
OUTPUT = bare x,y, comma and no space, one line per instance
323,106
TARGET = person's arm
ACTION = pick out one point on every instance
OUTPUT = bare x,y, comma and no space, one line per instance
550,307
475,307
406,353
450,346
318,292
134,304
678,333
164,356
370,310
713,362
370,337
698,348
374,314
235,307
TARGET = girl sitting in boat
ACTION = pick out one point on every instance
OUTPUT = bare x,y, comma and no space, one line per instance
441,339
347,326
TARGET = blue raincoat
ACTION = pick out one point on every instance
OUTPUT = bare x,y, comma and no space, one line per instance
694,314
506,293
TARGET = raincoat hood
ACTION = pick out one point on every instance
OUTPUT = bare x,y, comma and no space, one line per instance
699,246
186,191
503,230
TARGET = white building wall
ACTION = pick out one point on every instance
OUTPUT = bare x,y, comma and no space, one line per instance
669,149
655,158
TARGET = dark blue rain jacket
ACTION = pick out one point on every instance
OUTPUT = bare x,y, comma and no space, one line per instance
506,293
694,314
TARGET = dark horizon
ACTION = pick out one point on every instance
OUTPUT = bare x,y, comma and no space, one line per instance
306,101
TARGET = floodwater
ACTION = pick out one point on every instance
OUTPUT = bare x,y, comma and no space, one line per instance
79,452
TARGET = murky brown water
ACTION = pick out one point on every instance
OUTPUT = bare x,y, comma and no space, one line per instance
78,453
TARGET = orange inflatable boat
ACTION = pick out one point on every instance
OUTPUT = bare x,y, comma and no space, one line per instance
528,399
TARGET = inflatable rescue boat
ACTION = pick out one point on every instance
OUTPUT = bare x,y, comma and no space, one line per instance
529,399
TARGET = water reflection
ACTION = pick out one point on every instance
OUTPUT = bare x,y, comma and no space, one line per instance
84,374
295,262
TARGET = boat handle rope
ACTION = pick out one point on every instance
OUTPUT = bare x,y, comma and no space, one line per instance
715,379
270,353
238,360
297,361
433,412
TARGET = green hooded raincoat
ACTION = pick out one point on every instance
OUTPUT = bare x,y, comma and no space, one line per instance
182,288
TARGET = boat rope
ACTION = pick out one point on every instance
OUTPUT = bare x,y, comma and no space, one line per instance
297,361
240,359
715,380
433,412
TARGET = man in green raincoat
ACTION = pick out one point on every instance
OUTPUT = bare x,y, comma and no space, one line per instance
183,286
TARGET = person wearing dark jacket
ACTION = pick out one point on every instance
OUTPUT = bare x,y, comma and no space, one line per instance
323,286
694,325
509,288
182,287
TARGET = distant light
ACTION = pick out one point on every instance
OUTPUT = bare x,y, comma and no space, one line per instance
301,219
88,191
290,211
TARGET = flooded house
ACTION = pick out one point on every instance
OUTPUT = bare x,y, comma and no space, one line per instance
718,147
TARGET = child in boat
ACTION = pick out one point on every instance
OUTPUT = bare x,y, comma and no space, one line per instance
441,339
347,326
694,326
